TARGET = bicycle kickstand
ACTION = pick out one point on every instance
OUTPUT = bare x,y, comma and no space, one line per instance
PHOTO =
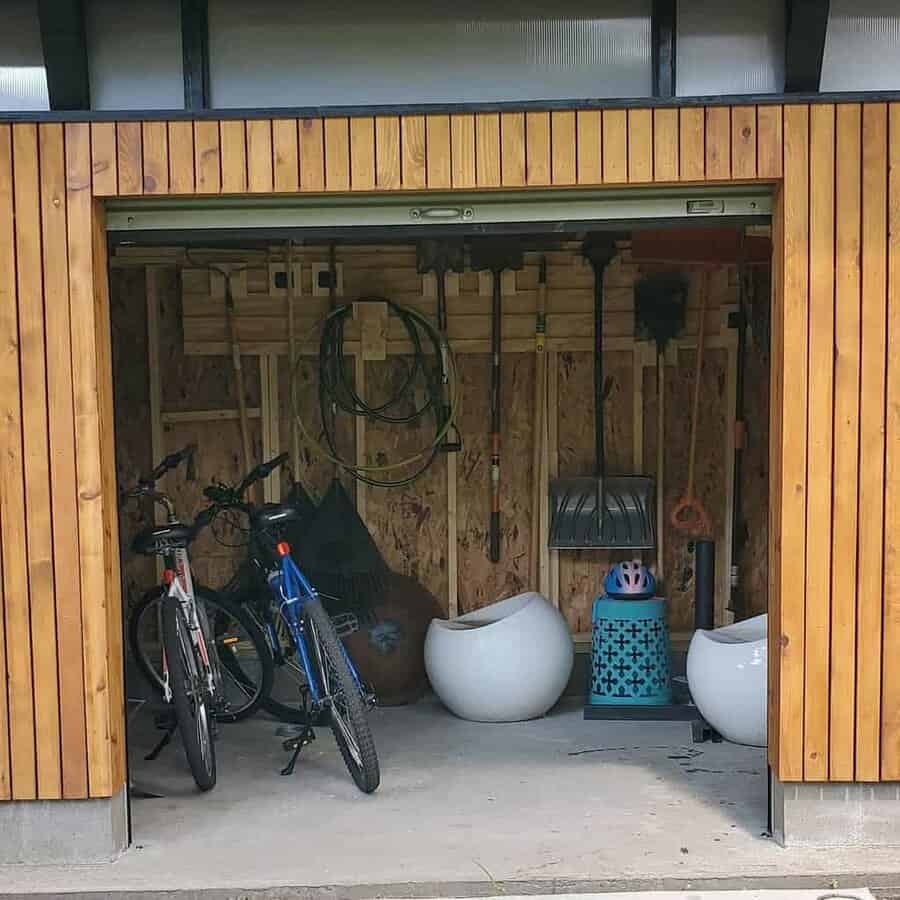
168,726
307,736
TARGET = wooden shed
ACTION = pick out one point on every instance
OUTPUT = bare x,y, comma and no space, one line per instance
833,458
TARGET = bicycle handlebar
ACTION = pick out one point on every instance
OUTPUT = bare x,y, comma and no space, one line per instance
145,486
172,461
223,495
263,470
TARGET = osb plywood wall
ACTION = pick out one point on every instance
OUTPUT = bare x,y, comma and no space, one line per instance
411,524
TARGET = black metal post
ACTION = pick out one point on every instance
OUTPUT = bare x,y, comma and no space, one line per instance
65,53
195,53
663,28
807,24
704,583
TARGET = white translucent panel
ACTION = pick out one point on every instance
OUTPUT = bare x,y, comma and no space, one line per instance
862,46
134,54
23,79
730,48
270,53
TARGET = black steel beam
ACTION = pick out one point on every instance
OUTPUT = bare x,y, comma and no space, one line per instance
663,27
425,109
807,23
65,53
195,53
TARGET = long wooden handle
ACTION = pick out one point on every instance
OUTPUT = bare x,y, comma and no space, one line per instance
238,372
660,464
539,448
698,375
496,413
689,515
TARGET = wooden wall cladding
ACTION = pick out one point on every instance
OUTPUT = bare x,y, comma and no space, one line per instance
835,435
834,676
61,709
439,152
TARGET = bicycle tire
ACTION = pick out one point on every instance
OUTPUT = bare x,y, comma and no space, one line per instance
189,696
348,719
261,680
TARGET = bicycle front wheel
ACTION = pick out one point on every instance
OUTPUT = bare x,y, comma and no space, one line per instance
348,711
189,695
245,671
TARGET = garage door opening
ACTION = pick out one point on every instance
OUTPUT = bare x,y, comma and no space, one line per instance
191,285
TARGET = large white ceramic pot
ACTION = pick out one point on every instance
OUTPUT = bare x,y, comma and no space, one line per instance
506,662
727,671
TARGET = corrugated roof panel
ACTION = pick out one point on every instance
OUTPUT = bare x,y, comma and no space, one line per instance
862,46
271,53
23,79
134,54
730,49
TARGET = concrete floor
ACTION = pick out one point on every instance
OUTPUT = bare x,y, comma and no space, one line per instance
463,807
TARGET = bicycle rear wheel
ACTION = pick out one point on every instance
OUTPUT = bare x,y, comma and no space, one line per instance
349,722
189,695
245,674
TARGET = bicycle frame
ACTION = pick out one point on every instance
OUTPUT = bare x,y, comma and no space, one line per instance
292,594
177,575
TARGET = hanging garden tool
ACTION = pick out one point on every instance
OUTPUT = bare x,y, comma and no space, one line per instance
719,246
442,257
236,365
659,310
227,270
739,533
422,392
540,441
496,254
601,511
290,289
688,515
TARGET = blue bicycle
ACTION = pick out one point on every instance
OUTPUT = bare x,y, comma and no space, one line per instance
332,689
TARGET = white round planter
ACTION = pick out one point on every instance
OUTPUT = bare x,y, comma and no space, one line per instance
506,662
727,671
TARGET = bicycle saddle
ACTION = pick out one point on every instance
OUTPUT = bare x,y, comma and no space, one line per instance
276,514
161,538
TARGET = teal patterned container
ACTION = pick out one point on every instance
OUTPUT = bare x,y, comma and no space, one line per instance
630,653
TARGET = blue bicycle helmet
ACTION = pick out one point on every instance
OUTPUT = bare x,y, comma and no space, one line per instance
629,579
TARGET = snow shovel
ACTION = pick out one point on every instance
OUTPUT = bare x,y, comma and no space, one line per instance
496,254
601,512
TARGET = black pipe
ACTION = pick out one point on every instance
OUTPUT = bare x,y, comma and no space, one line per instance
704,583
599,436
599,250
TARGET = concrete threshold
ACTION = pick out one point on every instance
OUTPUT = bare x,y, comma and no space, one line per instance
806,887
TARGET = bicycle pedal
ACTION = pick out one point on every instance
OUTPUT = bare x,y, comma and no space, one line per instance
297,743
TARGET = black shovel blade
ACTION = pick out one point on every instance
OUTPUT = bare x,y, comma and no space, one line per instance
612,513
496,253
445,255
